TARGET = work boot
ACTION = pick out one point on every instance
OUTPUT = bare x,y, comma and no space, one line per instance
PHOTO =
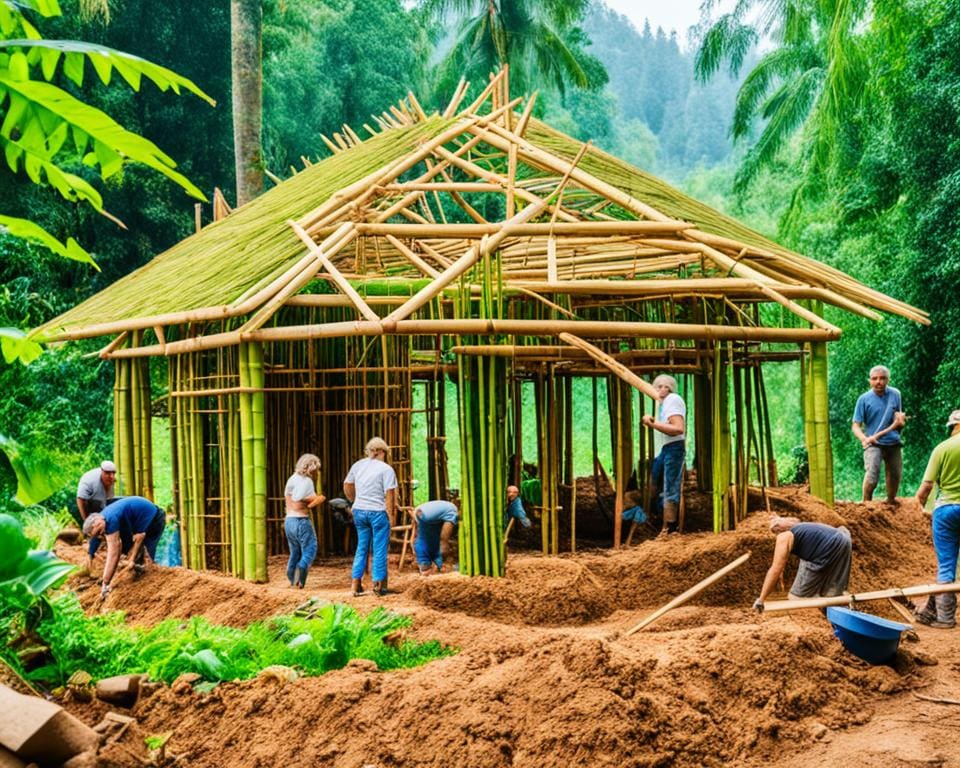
946,611
929,613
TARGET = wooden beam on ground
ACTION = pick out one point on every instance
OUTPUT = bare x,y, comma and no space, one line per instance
773,606
694,590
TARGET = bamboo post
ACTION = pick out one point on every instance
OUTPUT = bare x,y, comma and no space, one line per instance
693,591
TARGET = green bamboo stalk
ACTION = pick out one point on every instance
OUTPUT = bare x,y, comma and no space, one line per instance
256,374
247,469
717,476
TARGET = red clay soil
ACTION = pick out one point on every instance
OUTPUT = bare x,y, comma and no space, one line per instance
545,675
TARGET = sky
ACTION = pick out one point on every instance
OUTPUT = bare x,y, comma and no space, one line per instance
669,14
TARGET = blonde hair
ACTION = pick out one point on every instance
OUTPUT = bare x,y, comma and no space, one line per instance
377,444
307,464
668,381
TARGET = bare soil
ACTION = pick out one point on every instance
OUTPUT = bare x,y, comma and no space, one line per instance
545,675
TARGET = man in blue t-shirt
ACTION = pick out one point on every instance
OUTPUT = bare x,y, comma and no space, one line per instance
145,522
877,420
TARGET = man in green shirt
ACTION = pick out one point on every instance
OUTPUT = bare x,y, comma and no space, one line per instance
944,470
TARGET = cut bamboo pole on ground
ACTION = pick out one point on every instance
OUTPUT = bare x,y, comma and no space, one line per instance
694,590
862,597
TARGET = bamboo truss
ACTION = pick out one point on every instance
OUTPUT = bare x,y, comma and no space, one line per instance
476,249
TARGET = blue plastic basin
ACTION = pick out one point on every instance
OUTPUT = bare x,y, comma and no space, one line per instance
873,639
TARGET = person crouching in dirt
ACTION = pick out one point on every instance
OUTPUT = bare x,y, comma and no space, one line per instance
300,495
944,470
433,525
515,508
668,464
145,521
824,553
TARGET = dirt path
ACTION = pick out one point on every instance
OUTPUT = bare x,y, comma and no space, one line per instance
545,676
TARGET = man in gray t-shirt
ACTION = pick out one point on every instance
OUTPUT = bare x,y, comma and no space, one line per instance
95,489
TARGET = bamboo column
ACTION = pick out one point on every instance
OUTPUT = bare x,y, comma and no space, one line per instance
816,421
254,463
483,402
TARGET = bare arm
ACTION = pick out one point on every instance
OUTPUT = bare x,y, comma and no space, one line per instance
350,491
392,505
857,429
82,508
673,426
135,549
113,557
780,556
923,492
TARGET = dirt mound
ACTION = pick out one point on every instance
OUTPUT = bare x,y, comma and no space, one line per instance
164,593
545,675
707,696
541,591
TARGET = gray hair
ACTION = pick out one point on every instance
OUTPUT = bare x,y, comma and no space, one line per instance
377,444
780,524
667,381
880,369
307,464
90,523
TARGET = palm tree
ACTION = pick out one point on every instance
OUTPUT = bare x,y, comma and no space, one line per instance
812,81
539,39
246,49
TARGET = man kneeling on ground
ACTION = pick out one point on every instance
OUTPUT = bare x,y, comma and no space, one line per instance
433,523
145,521
824,553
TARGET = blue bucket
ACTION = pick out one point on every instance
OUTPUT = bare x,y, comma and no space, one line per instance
873,639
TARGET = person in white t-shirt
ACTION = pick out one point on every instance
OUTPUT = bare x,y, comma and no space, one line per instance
668,465
301,496
371,484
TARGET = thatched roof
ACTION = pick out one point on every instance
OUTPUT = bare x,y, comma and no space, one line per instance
564,218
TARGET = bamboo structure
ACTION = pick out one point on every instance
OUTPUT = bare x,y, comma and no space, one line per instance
477,250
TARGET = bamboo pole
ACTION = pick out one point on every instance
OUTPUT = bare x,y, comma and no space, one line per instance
348,231
487,327
693,591
321,253
608,361
460,266
774,606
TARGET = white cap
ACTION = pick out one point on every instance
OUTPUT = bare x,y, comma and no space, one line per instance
108,466
954,418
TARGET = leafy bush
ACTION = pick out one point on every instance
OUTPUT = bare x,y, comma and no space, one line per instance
25,579
104,646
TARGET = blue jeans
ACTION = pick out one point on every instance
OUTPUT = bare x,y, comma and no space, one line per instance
373,529
668,470
946,541
427,544
302,540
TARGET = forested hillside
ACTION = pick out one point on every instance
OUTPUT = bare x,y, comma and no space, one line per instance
862,173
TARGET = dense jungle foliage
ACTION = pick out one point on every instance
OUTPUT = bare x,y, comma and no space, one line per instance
846,118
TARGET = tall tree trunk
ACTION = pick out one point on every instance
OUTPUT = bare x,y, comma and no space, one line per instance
246,21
